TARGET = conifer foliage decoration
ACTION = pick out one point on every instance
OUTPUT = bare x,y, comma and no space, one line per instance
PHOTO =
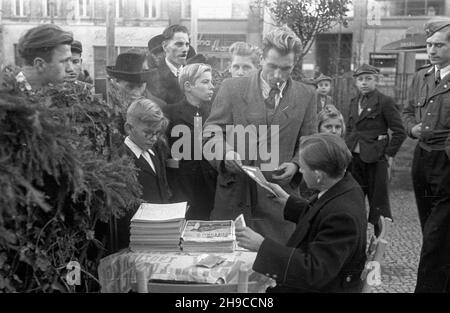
60,178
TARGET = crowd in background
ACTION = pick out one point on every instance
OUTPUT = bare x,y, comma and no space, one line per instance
311,236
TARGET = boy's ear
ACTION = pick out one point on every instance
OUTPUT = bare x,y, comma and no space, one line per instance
187,86
128,128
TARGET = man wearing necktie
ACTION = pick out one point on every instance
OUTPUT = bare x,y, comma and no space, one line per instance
265,98
372,114
427,118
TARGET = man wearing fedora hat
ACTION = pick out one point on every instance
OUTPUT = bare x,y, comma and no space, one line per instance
371,115
175,44
427,118
130,75
45,50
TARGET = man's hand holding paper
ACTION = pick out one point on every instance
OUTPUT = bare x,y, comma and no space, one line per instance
284,173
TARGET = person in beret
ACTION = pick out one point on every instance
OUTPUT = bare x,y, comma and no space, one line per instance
323,84
164,84
372,115
45,50
427,118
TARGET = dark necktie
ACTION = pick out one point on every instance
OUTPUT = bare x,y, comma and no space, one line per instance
437,77
270,101
363,103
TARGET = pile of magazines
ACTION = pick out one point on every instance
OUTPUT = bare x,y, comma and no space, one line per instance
157,227
208,236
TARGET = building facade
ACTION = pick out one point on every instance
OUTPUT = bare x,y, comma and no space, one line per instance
136,22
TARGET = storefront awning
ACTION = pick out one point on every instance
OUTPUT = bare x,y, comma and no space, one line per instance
415,42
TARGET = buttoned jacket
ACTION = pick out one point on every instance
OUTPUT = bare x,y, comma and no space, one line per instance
370,128
327,251
430,105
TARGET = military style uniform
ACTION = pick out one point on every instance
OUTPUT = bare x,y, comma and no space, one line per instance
429,104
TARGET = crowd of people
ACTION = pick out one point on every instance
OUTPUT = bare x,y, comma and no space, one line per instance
311,236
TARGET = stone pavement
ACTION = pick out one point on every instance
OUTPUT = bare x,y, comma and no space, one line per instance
399,269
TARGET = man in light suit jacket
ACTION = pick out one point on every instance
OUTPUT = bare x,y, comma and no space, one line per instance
265,98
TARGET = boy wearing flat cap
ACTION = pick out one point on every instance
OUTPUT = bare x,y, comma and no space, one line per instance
45,50
371,115
427,118
323,85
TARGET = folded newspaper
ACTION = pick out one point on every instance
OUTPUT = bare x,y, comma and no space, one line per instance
256,174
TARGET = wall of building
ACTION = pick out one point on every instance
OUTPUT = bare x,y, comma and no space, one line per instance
132,28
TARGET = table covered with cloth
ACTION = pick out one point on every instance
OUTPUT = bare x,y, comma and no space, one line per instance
118,272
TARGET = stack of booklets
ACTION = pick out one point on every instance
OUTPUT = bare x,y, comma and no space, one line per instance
157,227
208,236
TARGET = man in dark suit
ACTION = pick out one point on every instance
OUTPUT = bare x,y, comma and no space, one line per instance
327,250
427,118
164,81
371,115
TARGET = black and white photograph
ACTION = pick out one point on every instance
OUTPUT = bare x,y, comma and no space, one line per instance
128,128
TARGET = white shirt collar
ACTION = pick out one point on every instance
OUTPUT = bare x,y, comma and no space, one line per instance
135,148
173,68
321,193
444,71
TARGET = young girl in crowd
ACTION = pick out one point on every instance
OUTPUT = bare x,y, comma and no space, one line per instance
330,120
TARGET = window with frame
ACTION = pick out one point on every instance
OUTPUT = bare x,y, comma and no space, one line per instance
18,7
185,8
49,7
84,8
120,4
411,7
152,8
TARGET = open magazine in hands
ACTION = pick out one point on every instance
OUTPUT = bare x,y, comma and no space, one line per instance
256,174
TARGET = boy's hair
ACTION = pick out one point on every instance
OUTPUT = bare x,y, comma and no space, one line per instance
284,40
326,152
244,49
191,72
147,112
330,112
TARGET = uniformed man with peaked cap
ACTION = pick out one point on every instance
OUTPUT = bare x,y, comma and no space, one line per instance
45,50
427,118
